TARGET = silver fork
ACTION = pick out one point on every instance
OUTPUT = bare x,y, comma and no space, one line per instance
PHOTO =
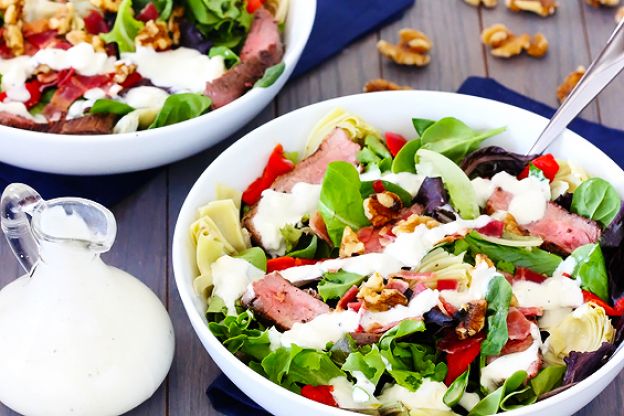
600,73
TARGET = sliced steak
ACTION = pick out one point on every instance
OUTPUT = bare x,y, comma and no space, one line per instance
365,338
12,120
89,124
278,302
518,326
337,146
262,49
560,228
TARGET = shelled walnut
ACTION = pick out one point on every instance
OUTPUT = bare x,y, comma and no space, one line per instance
504,44
543,8
600,3
383,207
12,11
78,36
487,3
107,5
381,84
412,49
156,35
350,243
569,83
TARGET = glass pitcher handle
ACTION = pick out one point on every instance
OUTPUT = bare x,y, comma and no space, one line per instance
17,204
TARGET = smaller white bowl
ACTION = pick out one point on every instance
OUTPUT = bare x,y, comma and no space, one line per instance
118,153
240,164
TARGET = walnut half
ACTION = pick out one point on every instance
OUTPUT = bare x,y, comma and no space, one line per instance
381,84
569,83
487,3
543,8
504,44
412,49
350,243
382,208
600,3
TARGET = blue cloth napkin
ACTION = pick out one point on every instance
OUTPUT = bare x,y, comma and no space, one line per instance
338,23
229,400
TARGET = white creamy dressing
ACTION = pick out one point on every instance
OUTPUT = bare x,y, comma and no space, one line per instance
529,195
416,308
499,370
79,107
82,57
552,293
364,389
181,69
348,396
278,209
19,109
469,400
327,327
231,277
429,395
145,97
481,276
411,182
82,337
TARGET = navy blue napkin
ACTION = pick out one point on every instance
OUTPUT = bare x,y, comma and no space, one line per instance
229,400
338,23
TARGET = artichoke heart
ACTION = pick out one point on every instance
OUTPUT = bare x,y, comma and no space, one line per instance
584,330
354,126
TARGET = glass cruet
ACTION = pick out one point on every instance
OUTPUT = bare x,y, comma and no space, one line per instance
77,336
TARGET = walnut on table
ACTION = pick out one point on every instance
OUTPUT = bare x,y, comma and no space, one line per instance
504,44
412,49
487,3
569,83
381,84
600,3
619,15
543,8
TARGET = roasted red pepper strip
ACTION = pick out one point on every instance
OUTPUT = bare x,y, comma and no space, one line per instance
447,284
132,80
394,142
286,262
493,229
253,5
378,186
277,165
616,310
546,164
34,88
321,394
459,354
522,273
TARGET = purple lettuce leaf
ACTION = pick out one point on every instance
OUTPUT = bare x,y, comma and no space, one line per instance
436,317
191,37
581,365
488,161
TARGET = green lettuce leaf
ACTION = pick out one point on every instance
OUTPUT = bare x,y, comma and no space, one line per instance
456,390
271,75
225,22
590,269
256,256
242,336
370,364
125,29
490,404
404,161
307,252
498,297
229,57
335,284
454,139
340,203
107,106
422,124
181,107
291,236
596,199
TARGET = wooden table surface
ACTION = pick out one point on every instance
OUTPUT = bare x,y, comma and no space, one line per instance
146,219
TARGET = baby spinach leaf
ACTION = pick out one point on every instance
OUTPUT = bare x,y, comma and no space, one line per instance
460,189
106,106
411,380
125,28
335,284
229,57
271,75
340,203
255,256
454,139
457,389
548,379
490,404
404,161
181,107
498,297
536,259
370,364
590,269
307,252
596,199
366,189
421,124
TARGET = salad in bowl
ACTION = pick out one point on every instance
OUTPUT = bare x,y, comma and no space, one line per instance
438,271
120,66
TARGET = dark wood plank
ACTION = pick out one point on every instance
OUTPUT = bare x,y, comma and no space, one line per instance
192,369
600,24
451,26
539,78
140,249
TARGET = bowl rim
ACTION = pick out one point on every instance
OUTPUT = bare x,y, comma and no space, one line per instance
292,52
204,334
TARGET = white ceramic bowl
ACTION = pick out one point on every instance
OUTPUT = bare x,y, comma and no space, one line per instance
117,153
244,160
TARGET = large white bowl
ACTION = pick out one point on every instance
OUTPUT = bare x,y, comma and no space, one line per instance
117,153
244,160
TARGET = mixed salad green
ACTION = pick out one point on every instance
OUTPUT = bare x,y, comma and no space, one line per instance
429,276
